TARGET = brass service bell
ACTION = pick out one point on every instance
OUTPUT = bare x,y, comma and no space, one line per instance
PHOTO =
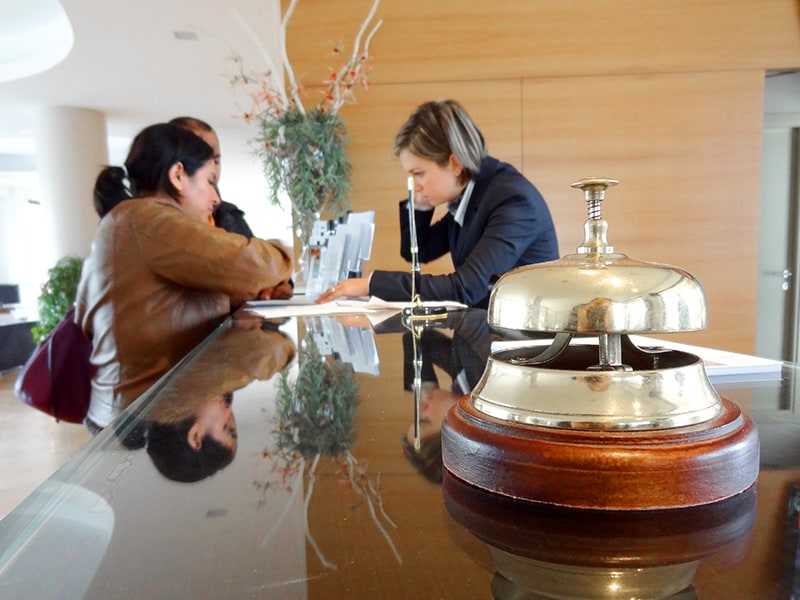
593,420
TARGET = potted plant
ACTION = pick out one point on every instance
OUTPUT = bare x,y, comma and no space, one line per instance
302,151
57,295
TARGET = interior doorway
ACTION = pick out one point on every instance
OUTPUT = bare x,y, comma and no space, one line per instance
778,313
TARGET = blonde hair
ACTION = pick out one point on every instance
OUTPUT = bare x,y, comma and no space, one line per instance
436,130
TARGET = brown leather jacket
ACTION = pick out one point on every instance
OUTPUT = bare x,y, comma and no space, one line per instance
234,358
155,283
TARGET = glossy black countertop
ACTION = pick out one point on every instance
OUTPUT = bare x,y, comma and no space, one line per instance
326,497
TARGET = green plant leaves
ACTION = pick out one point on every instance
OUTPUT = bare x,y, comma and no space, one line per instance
305,155
316,412
57,295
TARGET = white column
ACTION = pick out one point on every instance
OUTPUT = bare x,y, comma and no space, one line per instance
71,149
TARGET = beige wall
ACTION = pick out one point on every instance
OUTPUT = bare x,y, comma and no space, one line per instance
665,95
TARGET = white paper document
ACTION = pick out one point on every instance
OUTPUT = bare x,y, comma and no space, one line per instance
278,309
721,365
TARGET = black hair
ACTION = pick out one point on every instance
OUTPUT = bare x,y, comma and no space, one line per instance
153,152
168,448
111,187
176,460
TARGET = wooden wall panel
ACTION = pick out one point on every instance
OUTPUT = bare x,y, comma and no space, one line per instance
457,40
665,95
687,150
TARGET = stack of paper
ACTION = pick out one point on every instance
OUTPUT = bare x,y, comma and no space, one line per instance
721,365
300,307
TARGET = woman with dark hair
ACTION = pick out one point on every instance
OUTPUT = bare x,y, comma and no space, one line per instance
158,279
496,220
226,215
182,451
190,433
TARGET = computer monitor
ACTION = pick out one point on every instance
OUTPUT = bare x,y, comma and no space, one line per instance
9,293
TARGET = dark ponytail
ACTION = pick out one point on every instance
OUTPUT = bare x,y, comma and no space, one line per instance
152,154
111,187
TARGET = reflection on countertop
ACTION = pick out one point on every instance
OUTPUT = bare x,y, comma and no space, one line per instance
546,551
293,516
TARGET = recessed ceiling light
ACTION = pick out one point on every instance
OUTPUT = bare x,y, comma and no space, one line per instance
35,35
185,35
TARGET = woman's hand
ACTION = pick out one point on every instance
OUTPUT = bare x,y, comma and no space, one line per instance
282,291
345,288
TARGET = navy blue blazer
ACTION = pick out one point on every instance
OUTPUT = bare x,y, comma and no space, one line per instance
507,225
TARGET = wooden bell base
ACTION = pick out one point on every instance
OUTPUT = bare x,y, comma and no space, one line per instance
544,551
608,470
602,538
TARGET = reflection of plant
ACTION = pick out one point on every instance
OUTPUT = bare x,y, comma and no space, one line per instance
315,418
316,412
58,295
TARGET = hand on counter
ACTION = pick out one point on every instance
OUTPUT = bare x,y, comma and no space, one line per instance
282,291
356,287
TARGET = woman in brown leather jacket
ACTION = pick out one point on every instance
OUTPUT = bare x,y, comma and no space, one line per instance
191,432
159,279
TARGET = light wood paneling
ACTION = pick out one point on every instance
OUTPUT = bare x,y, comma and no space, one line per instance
687,150
685,146
665,95
468,40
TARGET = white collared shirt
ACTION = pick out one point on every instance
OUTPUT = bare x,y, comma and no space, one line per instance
461,208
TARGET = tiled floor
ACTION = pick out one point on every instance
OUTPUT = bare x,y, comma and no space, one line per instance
32,445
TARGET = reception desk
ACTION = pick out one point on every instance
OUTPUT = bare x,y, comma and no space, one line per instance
16,342
326,495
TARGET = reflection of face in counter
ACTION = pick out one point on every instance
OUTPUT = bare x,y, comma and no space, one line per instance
434,404
215,420
458,346
189,428
191,449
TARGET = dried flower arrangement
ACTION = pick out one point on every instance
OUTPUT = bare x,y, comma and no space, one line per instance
302,150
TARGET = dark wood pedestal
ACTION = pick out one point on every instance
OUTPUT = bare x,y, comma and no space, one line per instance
611,470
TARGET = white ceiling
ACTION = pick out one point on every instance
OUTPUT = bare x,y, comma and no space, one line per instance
127,63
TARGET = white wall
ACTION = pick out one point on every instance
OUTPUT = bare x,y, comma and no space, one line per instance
25,252
243,183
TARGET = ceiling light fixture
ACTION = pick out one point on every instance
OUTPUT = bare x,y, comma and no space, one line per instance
185,35
35,35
